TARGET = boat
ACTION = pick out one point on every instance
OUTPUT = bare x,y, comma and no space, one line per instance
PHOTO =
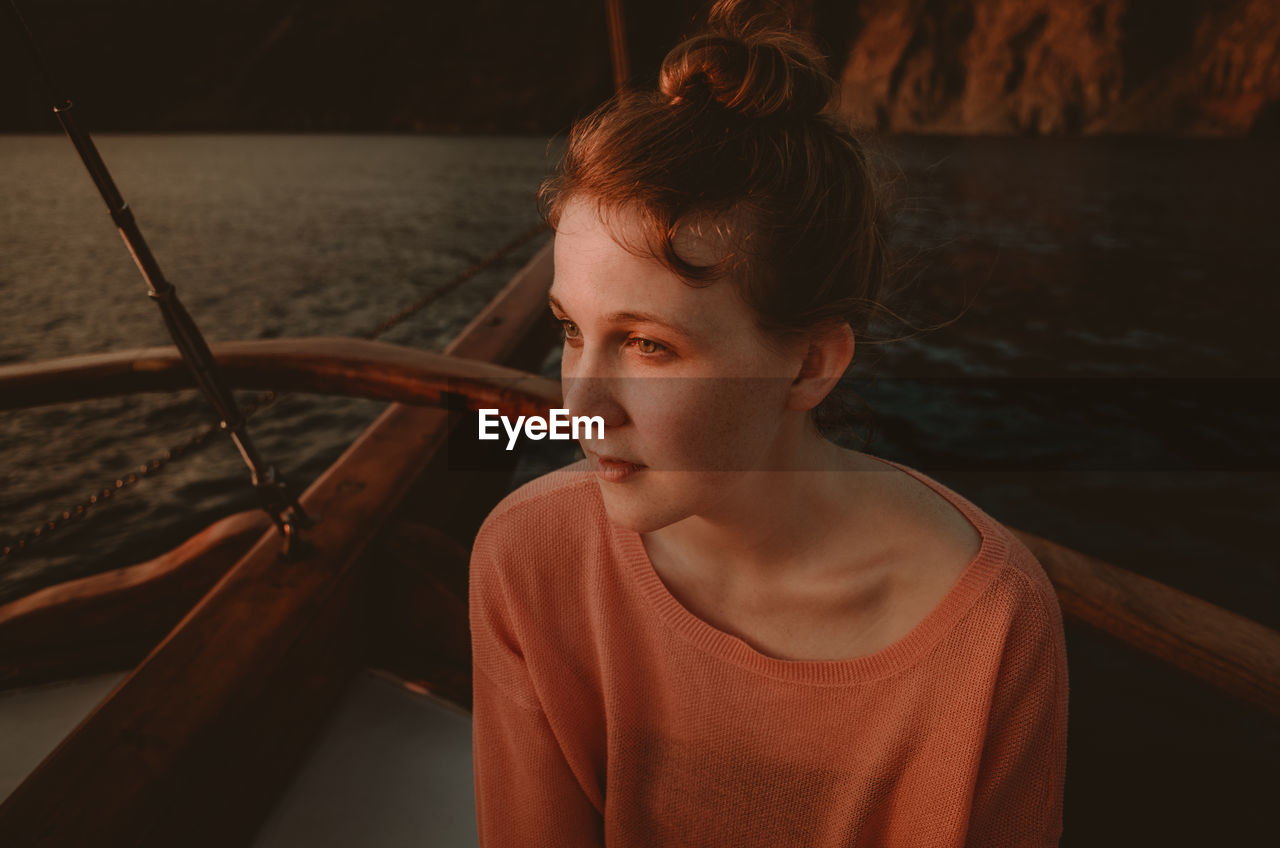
236,653
227,661
235,656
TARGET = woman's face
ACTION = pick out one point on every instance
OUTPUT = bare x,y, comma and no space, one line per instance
692,397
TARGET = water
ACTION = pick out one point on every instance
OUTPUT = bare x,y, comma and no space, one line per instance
263,236
1115,344
1107,383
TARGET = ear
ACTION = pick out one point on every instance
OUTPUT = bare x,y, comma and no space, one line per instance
830,352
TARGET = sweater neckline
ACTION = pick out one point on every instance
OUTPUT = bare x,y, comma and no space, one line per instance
901,654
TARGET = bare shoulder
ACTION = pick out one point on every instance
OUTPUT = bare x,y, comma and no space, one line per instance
932,541
917,514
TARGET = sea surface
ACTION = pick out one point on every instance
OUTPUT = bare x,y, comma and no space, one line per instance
1105,376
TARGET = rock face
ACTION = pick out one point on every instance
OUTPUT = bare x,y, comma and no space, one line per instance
1063,66
926,66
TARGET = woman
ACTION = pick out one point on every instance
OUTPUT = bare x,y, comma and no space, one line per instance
721,628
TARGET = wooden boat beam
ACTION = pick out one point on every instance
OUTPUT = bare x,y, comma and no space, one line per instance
1228,651
109,621
337,366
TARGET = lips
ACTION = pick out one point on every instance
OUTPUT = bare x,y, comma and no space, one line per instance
614,469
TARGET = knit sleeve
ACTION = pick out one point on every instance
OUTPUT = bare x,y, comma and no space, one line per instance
526,793
1018,795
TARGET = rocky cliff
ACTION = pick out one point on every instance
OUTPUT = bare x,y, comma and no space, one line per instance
1063,66
933,66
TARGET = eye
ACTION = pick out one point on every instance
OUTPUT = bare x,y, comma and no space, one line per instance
648,347
569,329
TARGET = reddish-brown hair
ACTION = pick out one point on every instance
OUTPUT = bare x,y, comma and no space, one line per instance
736,133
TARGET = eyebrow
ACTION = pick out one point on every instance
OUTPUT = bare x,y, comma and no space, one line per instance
628,317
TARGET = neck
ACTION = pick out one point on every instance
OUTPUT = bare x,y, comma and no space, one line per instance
772,524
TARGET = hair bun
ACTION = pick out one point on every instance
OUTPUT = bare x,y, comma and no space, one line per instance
757,74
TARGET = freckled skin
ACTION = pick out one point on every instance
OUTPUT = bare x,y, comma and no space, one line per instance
701,412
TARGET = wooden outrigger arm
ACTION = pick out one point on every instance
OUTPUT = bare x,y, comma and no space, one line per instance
331,366
1228,651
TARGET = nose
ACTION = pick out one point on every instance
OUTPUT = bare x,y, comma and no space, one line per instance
590,390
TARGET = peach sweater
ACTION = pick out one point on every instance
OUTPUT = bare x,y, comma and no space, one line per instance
608,714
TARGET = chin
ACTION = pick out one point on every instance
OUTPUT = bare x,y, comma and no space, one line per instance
632,510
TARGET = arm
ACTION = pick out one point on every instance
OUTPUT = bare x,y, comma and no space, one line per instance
526,791
1017,799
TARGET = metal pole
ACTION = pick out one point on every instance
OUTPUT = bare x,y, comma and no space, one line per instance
280,504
